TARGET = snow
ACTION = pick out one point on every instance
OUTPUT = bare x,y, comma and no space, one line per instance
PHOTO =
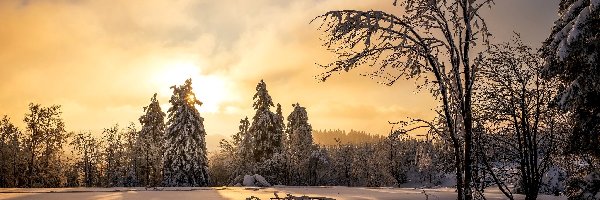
180,193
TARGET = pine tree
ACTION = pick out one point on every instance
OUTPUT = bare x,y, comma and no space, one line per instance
185,160
265,130
150,143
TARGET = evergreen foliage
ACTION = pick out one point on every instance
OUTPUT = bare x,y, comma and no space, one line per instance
185,160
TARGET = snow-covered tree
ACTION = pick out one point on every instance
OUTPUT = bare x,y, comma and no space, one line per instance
87,152
235,157
433,41
299,130
131,168
43,142
185,160
266,132
572,55
280,128
243,140
150,143
10,154
114,157
513,108
300,143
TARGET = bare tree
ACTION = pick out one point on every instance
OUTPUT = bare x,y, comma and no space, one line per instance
513,105
433,40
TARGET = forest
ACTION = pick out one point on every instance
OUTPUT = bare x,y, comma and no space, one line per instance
511,117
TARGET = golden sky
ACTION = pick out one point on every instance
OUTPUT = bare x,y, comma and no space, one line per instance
103,59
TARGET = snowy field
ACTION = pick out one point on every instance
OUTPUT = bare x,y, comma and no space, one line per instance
181,193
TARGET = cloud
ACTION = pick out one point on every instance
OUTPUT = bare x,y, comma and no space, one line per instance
100,60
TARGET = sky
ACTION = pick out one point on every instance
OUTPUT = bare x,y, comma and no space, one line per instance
103,60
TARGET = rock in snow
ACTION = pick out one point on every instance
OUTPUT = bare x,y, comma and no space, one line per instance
251,181
261,181
248,180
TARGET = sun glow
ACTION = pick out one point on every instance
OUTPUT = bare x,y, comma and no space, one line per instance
211,90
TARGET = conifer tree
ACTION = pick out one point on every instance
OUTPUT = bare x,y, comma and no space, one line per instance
264,125
243,140
185,160
150,143
572,55
300,144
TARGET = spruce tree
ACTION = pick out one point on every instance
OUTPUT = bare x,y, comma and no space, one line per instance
150,143
264,129
279,137
299,130
243,140
572,54
300,144
185,160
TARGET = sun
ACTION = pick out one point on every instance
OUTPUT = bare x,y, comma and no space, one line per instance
211,90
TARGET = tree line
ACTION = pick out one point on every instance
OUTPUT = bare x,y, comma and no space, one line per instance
171,153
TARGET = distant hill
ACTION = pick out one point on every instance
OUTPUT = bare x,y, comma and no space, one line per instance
328,137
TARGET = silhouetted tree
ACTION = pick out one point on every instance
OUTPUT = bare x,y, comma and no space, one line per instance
434,40
513,107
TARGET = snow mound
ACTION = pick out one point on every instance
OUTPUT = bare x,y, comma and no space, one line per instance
251,181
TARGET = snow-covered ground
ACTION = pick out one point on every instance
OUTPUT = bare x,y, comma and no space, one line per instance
181,193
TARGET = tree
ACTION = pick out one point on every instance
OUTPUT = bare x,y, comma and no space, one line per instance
571,54
150,143
433,40
10,152
87,149
265,129
43,142
185,160
131,169
300,144
513,107
114,156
